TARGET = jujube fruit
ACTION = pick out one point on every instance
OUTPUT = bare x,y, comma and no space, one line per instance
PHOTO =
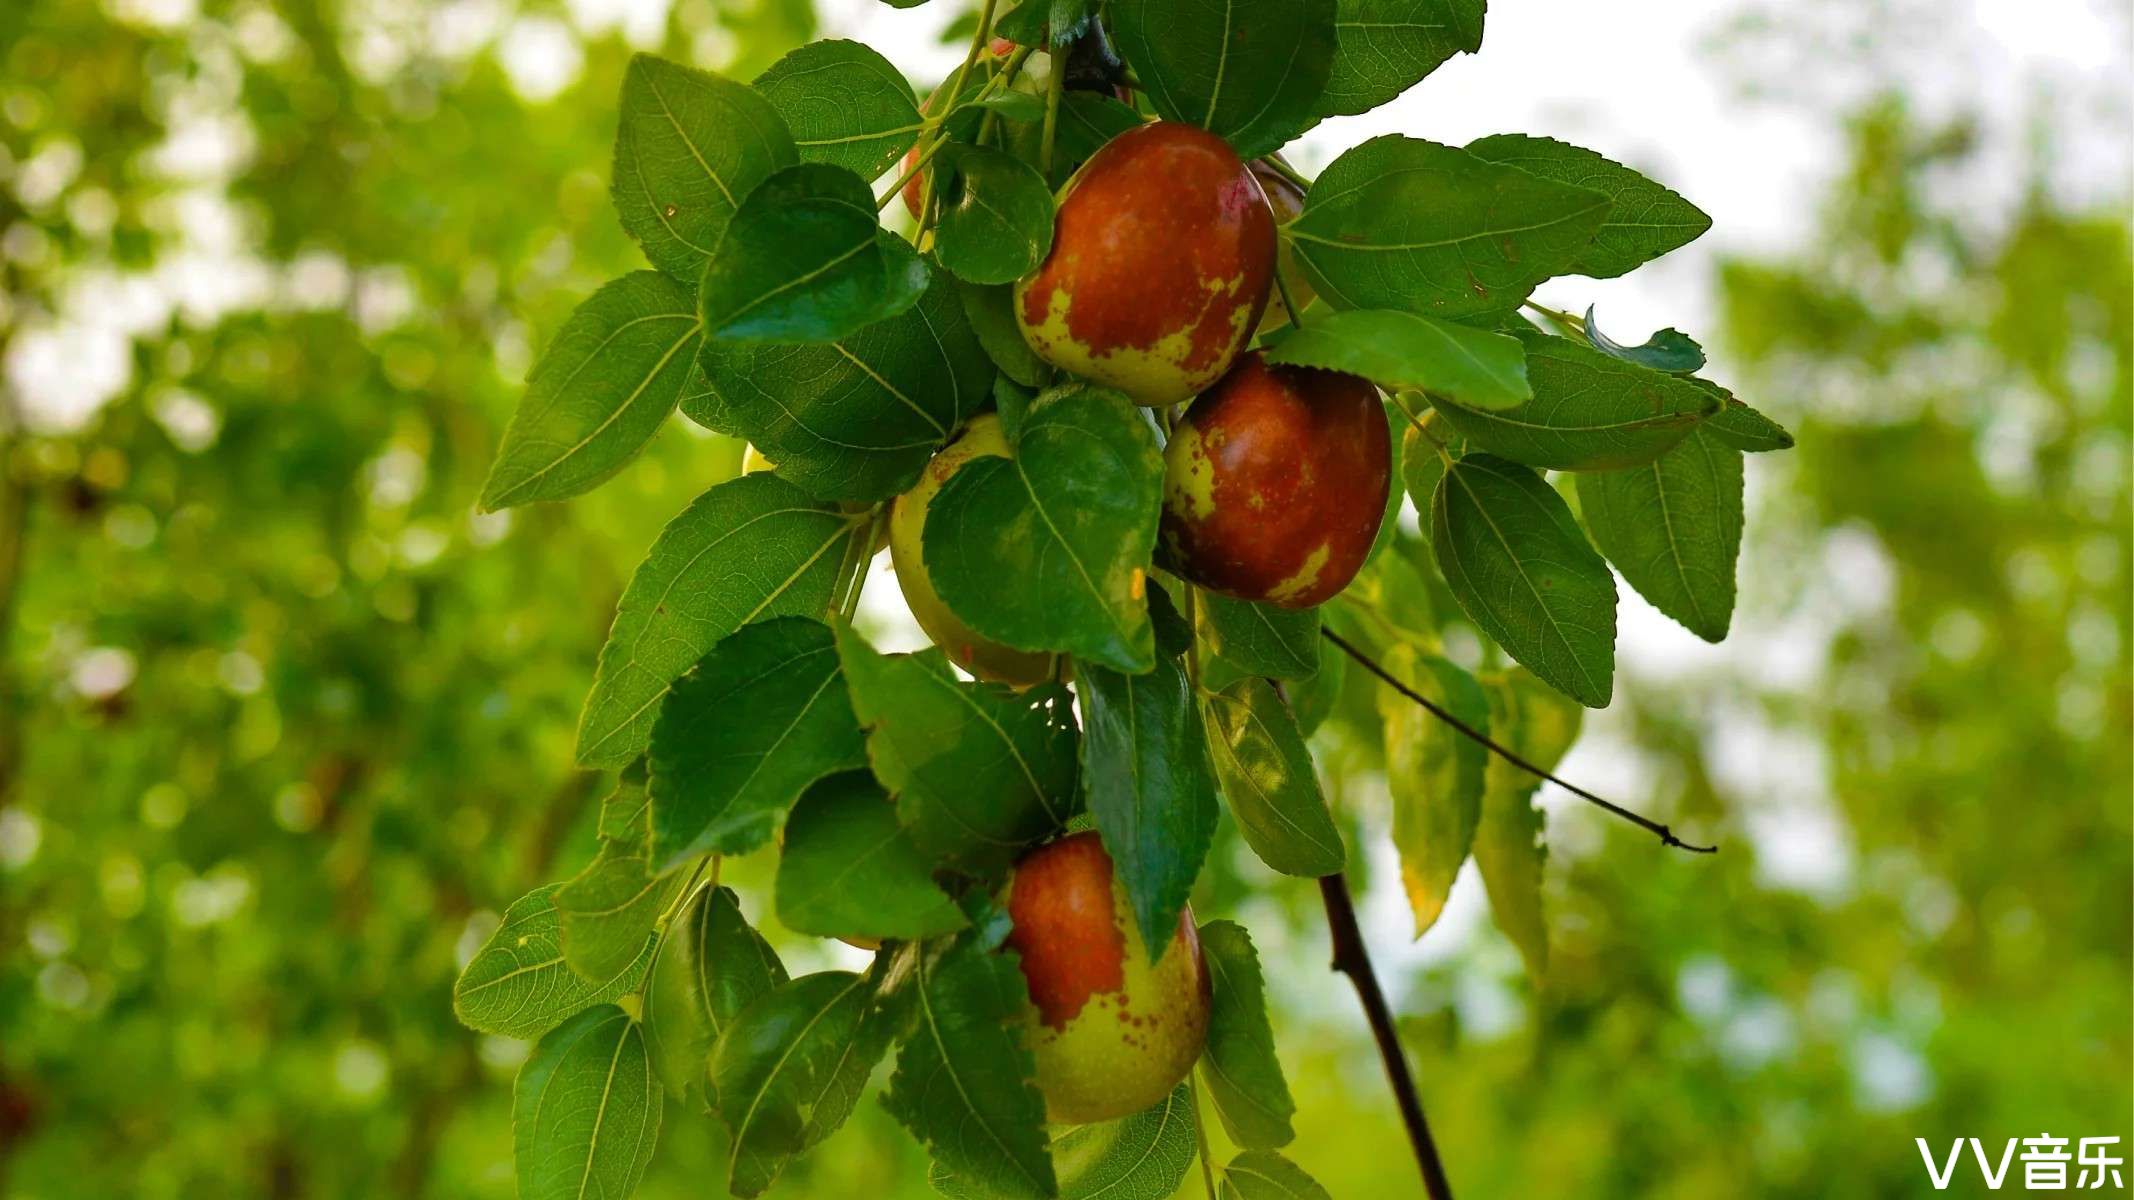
1113,1033
907,527
1162,255
1275,483
1285,200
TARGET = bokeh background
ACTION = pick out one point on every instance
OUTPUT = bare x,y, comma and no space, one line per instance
284,726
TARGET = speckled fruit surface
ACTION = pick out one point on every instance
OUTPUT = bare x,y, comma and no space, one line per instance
907,526
1162,256
1275,483
1113,1033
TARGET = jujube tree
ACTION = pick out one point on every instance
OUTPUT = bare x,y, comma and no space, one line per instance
1133,406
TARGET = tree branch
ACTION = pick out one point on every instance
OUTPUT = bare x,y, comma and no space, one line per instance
1352,959
1667,836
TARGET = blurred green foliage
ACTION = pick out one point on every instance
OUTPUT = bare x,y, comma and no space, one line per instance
283,727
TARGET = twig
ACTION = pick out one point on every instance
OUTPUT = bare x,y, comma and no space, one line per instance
1667,836
1353,959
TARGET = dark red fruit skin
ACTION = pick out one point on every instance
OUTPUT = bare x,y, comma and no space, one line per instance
1272,468
1071,948
1163,233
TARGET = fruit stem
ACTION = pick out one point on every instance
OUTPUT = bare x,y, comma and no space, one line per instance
932,133
1666,835
1563,319
1200,1135
1289,303
1053,85
1353,959
1288,172
858,582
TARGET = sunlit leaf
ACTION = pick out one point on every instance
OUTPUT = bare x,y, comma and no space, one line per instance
962,1083
849,870
1402,223
1385,47
1244,1079
1523,572
1071,518
710,966
979,771
1267,776
760,717
1590,411
600,392
1673,528
789,1069
1396,350
804,260
690,146
1434,774
1645,220
748,549
517,984
585,1111
845,105
1150,786
1251,73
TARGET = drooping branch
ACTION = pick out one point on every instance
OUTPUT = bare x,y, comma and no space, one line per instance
1666,835
1353,959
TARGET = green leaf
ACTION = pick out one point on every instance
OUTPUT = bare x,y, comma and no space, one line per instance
1422,462
1312,700
962,1083
995,214
1402,223
1015,106
1070,520
710,966
803,260
979,771
598,395
1742,427
1673,528
1539,726
1141,1157
760,717
1523,573
689,147
1243,1076
517,985
849,871
1396,350
857,418
1149,784
1261,639
1669,350
845,104
1434,774
1266,774
1265,1175
585,1110
990,311
1250,73
791,1067
748,549
608,910
1645,220
1392,591
1385,47
1086,121
1590,412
